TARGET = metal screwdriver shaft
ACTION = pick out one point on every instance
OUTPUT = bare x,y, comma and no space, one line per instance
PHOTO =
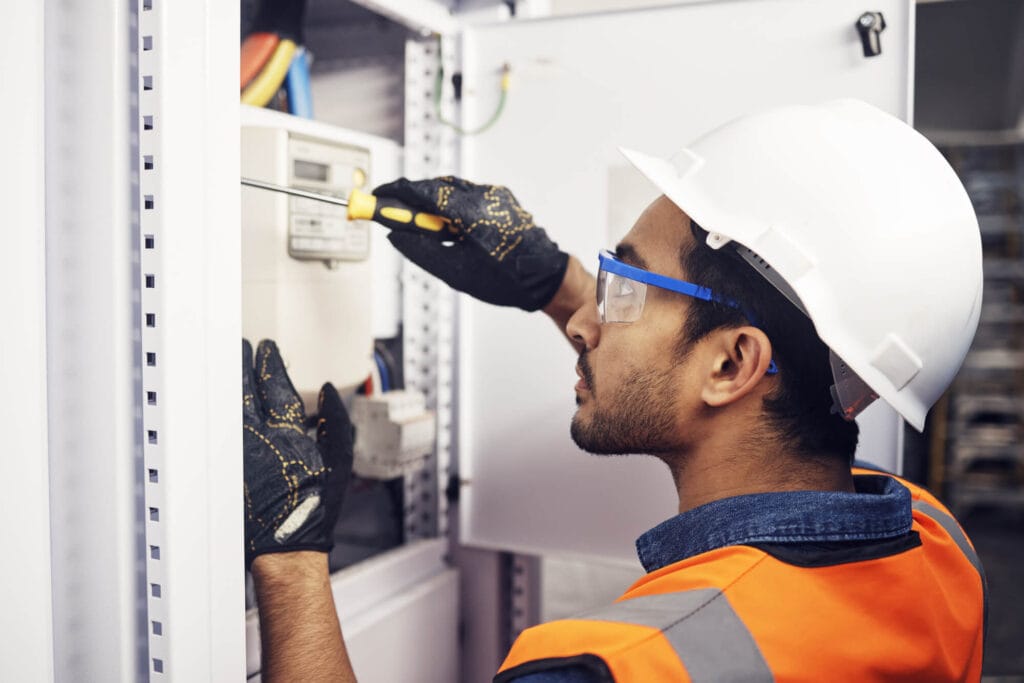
292,191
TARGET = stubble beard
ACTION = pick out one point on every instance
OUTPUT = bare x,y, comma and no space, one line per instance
638,418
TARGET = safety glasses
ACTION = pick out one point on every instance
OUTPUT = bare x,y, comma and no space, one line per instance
622,291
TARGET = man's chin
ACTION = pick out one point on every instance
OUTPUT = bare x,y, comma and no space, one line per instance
587,439
576,429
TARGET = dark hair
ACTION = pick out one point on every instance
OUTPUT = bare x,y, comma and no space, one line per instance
799,410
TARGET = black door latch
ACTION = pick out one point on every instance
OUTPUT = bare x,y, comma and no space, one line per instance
870,26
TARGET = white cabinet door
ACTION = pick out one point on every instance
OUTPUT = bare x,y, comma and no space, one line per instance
650,80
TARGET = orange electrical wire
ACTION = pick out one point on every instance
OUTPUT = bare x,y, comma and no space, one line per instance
256,50
266,84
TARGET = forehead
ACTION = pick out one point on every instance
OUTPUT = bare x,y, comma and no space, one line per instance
655,240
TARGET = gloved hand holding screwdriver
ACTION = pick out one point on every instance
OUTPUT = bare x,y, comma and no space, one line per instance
499,255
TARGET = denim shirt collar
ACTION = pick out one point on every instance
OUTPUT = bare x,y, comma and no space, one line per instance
879,509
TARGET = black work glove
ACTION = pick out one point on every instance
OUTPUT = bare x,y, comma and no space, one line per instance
293,484
499,255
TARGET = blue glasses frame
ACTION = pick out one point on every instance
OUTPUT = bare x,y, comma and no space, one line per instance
609,263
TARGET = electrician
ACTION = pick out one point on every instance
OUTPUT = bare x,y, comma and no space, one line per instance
800,263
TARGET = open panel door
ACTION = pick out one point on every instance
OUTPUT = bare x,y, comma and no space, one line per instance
651,80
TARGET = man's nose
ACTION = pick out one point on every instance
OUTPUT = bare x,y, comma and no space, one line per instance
584,327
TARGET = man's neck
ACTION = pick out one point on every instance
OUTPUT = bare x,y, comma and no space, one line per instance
733,464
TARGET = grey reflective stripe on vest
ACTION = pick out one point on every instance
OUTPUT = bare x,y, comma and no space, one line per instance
701,626
953,529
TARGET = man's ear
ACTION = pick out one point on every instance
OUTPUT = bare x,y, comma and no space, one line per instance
741,357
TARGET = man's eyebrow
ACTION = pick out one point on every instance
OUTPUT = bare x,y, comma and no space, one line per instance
626,253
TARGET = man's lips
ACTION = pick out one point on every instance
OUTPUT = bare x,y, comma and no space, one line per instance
581,385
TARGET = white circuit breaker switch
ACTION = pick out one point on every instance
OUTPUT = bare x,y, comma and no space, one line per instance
394,433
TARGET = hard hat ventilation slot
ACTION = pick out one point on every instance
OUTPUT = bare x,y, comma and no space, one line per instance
771,275
850,394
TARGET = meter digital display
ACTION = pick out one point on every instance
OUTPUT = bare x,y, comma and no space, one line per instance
310,170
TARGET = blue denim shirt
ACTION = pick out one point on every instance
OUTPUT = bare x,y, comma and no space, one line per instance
879,509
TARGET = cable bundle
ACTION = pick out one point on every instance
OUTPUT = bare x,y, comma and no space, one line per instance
273,57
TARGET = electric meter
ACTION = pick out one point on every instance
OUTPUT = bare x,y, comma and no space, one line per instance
317,230
308,277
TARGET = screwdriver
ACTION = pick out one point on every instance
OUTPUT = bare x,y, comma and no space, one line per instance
365,206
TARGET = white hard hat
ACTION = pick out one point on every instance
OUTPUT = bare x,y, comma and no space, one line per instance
860,221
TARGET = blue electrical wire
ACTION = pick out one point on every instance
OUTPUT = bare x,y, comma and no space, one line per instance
382,369
300,96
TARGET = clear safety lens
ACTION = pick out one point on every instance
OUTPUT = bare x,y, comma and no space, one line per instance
619,299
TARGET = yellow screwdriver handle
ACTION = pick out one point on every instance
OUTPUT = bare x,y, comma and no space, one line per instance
394,214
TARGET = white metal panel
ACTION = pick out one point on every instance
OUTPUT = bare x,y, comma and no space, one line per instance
188,71
420,625
425,16
26,648
651,80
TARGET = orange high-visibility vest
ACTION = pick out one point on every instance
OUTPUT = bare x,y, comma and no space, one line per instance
739,613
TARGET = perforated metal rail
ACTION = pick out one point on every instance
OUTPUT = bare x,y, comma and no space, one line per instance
428,304
146,181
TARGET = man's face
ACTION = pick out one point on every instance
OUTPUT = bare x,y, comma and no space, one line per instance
632,393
